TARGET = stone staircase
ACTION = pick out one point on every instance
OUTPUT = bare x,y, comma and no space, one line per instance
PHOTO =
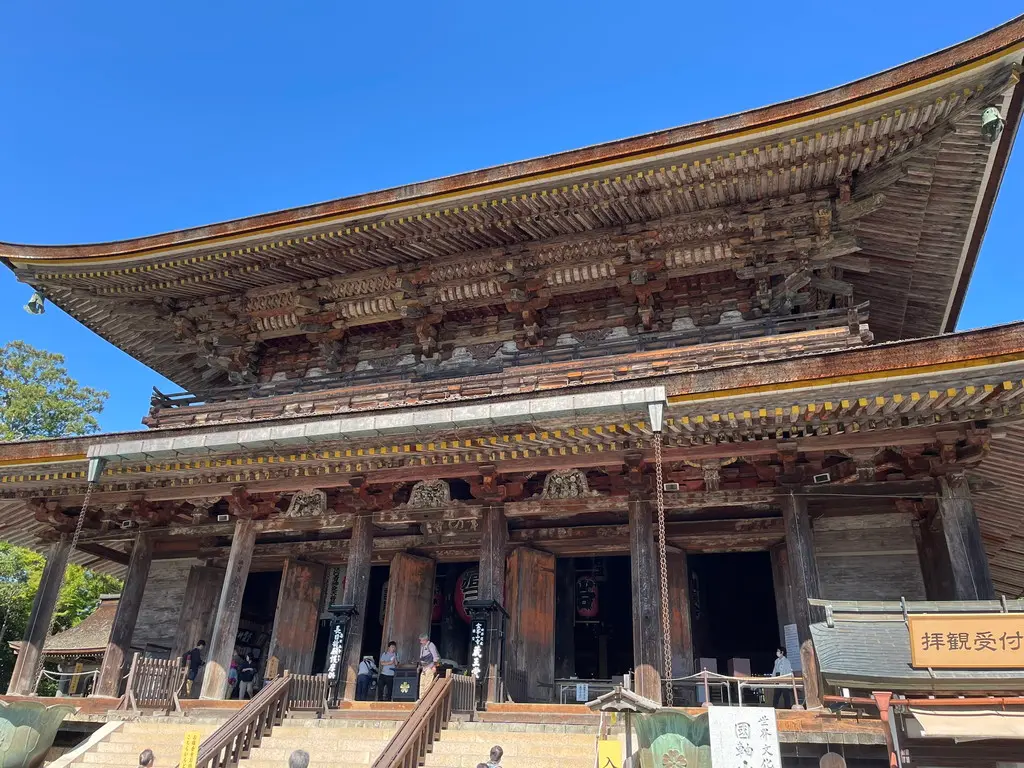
526,745
348,743
121,748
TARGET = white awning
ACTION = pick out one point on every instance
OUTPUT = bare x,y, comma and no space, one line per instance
966,724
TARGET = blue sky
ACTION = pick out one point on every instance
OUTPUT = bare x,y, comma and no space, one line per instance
125,119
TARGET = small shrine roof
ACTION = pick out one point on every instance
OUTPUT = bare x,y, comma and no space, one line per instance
87,638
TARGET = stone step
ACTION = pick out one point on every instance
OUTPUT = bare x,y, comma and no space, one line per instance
473,736
449,761
317,755
512,749
321,746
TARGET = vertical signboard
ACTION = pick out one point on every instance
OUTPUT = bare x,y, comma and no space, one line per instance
744,737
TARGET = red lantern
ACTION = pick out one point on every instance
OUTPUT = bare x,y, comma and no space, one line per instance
436,611
586,597
468,589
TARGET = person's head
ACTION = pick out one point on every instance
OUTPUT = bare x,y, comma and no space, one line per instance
496,754
146,758
424,639
201,644
298,759
481,765
392,646
780,652
248,658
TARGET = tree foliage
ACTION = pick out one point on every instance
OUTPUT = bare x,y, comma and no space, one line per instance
39,399
20,573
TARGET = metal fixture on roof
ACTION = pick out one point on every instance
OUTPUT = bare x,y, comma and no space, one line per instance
991,124
36,304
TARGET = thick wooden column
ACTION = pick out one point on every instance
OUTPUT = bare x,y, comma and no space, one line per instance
229,611
968,562
783,593
119,644
195,622
565,618
23,677
493,544
804,584
647,640
410,599
530,639
293,640
357,588
679,615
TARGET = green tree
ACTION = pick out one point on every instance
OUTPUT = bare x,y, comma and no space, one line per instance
20,572
39,399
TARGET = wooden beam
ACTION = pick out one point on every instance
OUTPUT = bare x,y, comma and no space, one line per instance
804,583
972,579
114,555
118,644
355,593
647,651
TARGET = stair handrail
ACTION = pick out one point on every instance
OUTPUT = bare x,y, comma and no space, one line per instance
408,747
245,729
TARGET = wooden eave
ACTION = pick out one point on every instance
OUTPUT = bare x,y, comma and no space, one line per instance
911,134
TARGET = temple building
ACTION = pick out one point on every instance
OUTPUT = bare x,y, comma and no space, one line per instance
643,409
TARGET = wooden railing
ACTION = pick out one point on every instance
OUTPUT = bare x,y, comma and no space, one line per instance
154,684
309,693
414,737
244,730
463,693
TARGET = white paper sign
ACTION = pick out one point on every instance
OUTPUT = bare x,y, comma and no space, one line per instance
744,737
792,646
582,692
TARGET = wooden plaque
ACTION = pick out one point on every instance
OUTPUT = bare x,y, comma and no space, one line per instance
967,640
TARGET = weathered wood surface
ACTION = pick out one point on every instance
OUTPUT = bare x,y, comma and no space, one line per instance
354,593
116,657
410,601
972,579
493,546
166,586
680,620
530,641
229,609
198,608
293,639
783,590
23,676
868,557
804,584
647,632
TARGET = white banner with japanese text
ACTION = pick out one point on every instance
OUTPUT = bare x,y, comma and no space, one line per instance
744,737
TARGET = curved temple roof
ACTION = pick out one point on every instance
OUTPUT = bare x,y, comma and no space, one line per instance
903,147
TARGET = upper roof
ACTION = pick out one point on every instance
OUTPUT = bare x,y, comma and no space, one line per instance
906,145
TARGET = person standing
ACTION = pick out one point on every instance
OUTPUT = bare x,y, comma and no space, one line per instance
364,678
428,663
193,660
246,677
782,668
386,680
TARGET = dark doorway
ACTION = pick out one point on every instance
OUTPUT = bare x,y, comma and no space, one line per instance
376,601
732,603
594,622
256,623
449,622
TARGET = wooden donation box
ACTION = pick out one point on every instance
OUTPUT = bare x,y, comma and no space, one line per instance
407,683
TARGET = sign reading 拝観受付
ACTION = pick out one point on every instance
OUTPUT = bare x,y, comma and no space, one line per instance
966,640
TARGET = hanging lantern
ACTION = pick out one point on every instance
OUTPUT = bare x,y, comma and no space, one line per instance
586,597
468,589
437,610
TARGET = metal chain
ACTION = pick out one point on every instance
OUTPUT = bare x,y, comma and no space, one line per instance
38,676
666,622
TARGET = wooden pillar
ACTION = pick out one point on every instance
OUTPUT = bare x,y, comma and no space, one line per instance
195,622
357,588
804,584
229,610
530,639
647,632
968,562
23,677
115,658
410,599
679,615
293,640
783,593
493,544
565,618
